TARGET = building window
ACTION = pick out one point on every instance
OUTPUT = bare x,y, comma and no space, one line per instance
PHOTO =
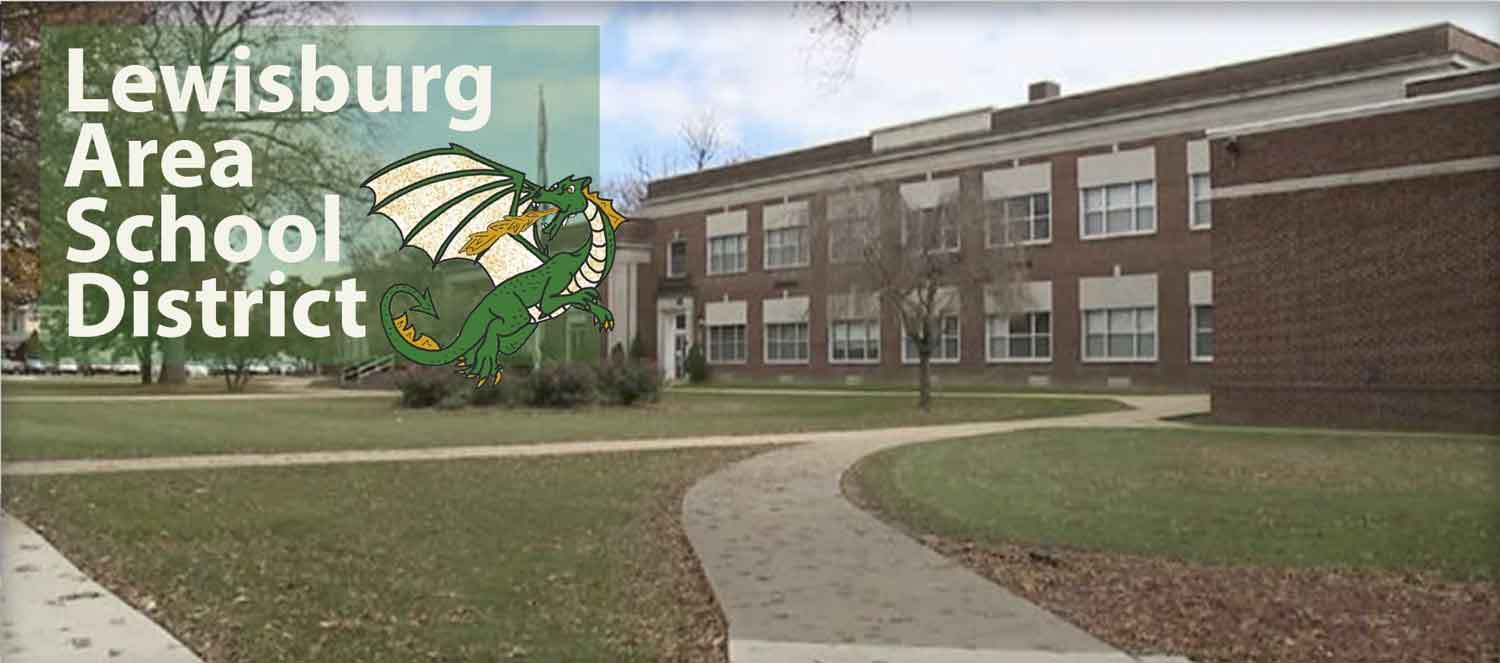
677,258
849,237
854,341
1119,209
1203,332
1023,337
1019,220
787,247
944,344
726,254
935,227
726,344
1120,334
786,343
1201,210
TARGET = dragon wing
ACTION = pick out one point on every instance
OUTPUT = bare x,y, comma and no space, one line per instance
455,204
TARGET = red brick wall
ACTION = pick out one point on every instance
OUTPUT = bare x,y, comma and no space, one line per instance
1170,253
1372,305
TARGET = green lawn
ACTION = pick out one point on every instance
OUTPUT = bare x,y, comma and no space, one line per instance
145,428
1298,499
117,385
574,558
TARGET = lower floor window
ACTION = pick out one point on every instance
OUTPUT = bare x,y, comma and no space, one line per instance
726,344
854,340
1120,333
944,341
786,342
1203,332
1023,336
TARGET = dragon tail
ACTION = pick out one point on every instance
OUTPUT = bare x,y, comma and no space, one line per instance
407,341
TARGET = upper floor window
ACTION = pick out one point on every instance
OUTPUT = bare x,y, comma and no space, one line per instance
727,254
934,229
677,258
1119,209
728,244
1200,212
1020,220
930,216
787,239
853,226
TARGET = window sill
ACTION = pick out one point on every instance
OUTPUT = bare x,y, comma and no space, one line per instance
1151,360
854,362
782,268
743,271
1007,245
741,362
1199,228
1018,360
1202,360
1095,238
914,362
786,362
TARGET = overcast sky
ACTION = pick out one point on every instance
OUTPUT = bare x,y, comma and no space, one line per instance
756,68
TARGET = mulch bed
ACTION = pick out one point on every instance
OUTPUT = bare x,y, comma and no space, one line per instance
1249,614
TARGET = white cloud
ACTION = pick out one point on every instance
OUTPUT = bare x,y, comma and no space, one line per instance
750,63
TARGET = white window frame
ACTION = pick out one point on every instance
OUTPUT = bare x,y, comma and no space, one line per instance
938,212
958,335
1135,208
1194,355
1194,199
1003,205
989,338
708,337
866,323
805,253
744,261
1083,346
806,343
681,270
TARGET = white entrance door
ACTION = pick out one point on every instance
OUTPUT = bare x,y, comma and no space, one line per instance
674,337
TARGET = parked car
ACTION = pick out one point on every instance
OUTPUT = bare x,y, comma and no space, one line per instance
196,370
12,366
35,365
67,366
125,368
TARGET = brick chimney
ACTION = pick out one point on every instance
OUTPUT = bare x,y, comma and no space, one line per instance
1042,90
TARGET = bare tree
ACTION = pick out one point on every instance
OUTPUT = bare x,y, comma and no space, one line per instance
838,31
703,139
919,249
704,144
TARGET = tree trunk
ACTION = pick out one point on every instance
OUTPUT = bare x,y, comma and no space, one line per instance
924,380
173,361
143,356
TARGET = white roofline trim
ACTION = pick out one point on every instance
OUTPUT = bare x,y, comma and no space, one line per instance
1367,110
1467,71
651,205
1371,176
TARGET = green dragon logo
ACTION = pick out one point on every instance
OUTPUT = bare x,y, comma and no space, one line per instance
454,204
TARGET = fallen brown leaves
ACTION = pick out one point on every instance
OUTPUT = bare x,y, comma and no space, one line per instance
1249,614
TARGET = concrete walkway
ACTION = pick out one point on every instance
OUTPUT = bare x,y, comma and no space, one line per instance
51,613
805,576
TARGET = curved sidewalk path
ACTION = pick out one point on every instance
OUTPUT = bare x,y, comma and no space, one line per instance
804,576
